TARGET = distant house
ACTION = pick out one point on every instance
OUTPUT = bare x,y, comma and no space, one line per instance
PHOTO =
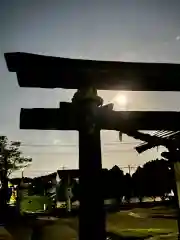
17,181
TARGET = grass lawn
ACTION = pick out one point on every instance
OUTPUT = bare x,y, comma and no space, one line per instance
35,203
120,225
126,225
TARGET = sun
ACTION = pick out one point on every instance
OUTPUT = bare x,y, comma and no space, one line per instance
121,100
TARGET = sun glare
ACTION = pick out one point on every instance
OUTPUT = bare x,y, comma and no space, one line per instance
121,100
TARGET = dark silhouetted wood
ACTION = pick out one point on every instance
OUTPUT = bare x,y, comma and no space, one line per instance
146,146
74,173
46,119
91,213
55,72
139,120
65,119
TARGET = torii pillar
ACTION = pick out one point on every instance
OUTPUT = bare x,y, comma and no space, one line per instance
90,166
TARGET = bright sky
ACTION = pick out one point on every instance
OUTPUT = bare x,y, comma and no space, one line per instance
124,30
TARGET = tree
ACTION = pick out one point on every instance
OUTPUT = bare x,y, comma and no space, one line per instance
127,187
75,190
153,179
11,159
17,181
37,187
64,185
41,185
138,184
116,182
158,178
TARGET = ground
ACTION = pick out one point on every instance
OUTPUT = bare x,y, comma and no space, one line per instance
147,223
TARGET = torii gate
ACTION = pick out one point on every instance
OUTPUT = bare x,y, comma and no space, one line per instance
87,114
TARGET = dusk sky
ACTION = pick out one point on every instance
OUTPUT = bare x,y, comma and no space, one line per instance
124,30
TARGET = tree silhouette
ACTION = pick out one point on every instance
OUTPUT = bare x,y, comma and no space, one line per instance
128,188
11,159
61,189
75,189
116,183
153,179
37,187
158,177
138,184
42,184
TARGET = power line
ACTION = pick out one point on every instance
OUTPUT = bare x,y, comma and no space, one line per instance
74,145
103,152
116,144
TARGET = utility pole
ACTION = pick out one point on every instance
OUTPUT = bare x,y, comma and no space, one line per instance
129,169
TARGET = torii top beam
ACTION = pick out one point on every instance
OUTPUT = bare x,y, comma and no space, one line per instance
55,72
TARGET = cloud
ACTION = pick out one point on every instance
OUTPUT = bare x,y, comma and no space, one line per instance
178,38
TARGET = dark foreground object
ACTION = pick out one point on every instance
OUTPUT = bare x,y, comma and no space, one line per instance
88,76
113,236
55,72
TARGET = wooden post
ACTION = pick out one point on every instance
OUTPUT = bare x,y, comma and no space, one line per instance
68,194
176,170
91,214
4,190
173,157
